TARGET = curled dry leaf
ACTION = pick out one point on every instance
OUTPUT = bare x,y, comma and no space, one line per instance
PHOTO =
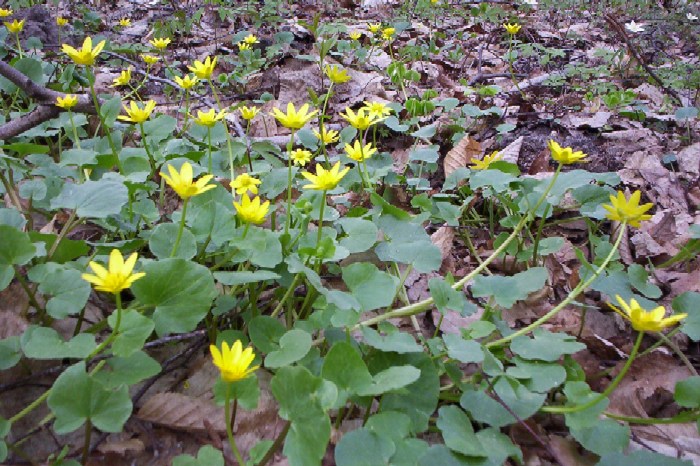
460,154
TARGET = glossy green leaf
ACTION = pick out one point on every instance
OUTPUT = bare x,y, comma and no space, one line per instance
294,345
578,393
128,370
344,366
537,376
390,424
242,278
369,285
395,341
390,379
92,199
360,234
448,299
134,330
545,345
15,248
207,456
639,278
507,290
606,436
519,399
110,110
689,302
363,447
462,350
10,353
46,343
687,392
163,238
69,292
457,431
265,333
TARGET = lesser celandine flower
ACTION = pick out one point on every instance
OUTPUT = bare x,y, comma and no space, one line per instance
60,21
117,276
358,152
362,120
388,33
67,102
161,43
85,56
5,13
251,39
251,211
149,59
15,27
203,70
564,155
243,46
123,79
623,210
336,74
244,182
234,362
374,27
300,157
327,136
187,82
294,119
377,109
355,35
643,320
209,118
125,22
182,182
325,180
483,164
136,114
248,113
512,29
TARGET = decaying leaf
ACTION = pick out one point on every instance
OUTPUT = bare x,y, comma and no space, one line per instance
460,154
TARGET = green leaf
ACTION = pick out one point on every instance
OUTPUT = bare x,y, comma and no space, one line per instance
265,333
181,292
344,366
360,234
15,248
163,237
246,392
134,330
207,456
69,292
466,351
67,249
242,278
639,278
78,157
363,447
10,353
578,393
689,302
687,392
448,299
443,456
390,424
537,376
507,290
110,110
293,346
263,247
457,431
390,379
128,371
606,436
396,341
519,399
30,67
369,285
46,343
33,189
545,345
428,154
640,457
160,128
77,397
92,199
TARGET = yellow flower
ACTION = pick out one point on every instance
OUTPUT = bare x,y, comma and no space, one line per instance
358,152
161,43
209,118
629,211
643,320
203,70
118,274
187,82
248,113
244,182
377,109
251,211
324,179
362,120
483,164
15,27
60,21
86,56
327,136
136,114
149,59
234,362
566,155
336,74
182,183
355,35
388,33
374,27
434,1
293,119
67,102
300,156
512,29
123,78
243,46
5,13
251,39
125,22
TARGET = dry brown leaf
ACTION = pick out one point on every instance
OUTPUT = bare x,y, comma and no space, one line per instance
566,452
443,238
511,153
132,446
465,150
182,412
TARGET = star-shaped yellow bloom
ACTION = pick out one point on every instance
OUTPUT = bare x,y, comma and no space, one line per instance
623,210
60,21
251,39
118,274
377,109
483,164
336,74
123,79
125,22
327,136
512,29
209,118
161,43
67,102
325,180
294,119
355,35
187,82
564,155
4,13
388,33
15,27
251,211
643,320
234,362
149,59
136,114
248,113
358,152
244,182
300,157
374,27
243,46
182,183
203,70
87,55
362,120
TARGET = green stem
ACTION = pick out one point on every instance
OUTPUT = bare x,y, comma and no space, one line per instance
286,296
19,46
247,145
151,160
510,65
229,146
75,130
62,234
30,407
320,220
229,427
574,293
108,133
288,220
616,381
681,418
209,146
182,227
115,330
86,445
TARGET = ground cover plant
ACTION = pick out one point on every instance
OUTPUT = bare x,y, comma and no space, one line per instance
428,232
